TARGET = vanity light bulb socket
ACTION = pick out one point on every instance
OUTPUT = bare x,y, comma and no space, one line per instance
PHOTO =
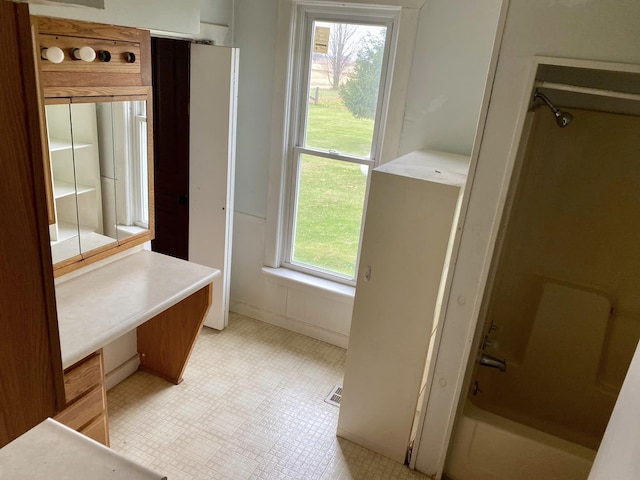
53,54
104,56
86,54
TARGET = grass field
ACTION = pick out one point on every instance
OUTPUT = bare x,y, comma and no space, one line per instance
331,193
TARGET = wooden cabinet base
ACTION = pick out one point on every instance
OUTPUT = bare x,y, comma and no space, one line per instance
86,398
165,342
98,430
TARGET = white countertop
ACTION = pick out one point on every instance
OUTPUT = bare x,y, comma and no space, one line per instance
52,451
99,306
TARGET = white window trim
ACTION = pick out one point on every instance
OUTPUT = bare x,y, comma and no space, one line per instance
307,15
283,97
141,214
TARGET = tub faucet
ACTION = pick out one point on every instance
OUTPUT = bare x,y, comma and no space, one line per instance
493,362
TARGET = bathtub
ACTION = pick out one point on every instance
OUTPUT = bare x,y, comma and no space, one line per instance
490,447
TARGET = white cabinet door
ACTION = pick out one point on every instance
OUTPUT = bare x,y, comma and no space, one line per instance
410,212
211,167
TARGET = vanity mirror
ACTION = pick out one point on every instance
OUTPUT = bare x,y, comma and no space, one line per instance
97,115
98,152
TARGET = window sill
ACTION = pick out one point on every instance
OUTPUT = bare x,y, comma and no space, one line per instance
293,279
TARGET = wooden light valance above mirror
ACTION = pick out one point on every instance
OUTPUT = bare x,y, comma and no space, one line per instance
95,83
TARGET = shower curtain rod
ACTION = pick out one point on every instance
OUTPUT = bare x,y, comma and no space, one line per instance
589,91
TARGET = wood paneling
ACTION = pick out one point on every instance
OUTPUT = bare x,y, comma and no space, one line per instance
86,397
70,34
98,430
117,64
84,411
83,377
73,28
165,342
31,373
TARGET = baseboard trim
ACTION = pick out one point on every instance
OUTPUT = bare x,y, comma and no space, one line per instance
125,370
292,324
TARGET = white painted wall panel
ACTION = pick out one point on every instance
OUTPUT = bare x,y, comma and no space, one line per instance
450,67
312,308
248,283
302,309
166,15
219,12
255,34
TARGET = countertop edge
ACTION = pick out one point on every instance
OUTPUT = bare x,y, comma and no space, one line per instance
70,356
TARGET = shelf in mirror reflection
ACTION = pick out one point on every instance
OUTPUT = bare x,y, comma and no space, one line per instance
62,189
68,243
66,230
59,144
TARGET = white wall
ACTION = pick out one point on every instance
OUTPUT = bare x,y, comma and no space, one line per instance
447,81
604,30
255,34
86,3
214,15
451,61
167,15
219,12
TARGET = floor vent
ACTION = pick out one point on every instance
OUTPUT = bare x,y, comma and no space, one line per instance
335,396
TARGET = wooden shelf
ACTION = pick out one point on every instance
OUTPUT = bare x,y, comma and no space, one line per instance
64,189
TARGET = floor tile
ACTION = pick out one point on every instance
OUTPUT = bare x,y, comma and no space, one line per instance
251,406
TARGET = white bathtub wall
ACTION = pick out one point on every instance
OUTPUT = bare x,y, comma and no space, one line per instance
490,447
572,222
302,309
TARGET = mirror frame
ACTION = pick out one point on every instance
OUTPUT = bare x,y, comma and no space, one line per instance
76,95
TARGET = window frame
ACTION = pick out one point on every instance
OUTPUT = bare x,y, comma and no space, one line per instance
408,13
140,164
306,16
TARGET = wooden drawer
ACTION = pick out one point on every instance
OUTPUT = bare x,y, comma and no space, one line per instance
83,411
82,377
97,430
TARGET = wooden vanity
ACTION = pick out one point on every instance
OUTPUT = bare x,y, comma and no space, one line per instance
164,298
51,336
98,118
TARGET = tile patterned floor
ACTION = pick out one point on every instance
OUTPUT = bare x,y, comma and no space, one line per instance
251,407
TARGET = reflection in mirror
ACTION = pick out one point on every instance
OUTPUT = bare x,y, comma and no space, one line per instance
99,169
91,128
65,241
130,147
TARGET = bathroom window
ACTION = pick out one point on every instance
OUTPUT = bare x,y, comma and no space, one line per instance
342,61
141,174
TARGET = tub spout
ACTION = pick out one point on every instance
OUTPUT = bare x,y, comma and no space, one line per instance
489,361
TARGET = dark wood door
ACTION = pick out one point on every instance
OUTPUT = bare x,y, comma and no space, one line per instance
170,64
